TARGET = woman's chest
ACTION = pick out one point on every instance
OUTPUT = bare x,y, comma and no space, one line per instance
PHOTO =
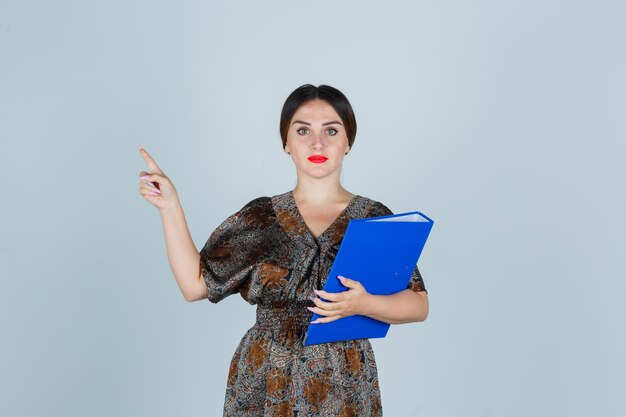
318,220
291,272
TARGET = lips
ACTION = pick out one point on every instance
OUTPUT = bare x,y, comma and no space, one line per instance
317,159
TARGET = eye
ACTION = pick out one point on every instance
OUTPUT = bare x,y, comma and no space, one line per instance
331,131
302,131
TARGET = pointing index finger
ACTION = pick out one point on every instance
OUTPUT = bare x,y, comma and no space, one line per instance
151,163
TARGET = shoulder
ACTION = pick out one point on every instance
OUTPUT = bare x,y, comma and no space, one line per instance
259,202
254,216
376,208
257,212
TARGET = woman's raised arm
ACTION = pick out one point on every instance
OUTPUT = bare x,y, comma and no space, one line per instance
182,254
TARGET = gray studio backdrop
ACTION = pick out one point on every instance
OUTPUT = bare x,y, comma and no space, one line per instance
503,121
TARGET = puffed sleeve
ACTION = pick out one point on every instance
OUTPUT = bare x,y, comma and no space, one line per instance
233,249
416,282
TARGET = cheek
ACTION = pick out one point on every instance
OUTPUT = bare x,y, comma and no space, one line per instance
291,145
342,146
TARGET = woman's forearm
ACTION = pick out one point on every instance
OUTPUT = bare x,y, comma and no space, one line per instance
182,253
402,307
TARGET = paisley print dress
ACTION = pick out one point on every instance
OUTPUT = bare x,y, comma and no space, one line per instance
266,253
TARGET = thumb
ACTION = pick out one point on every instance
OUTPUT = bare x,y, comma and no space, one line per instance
350,283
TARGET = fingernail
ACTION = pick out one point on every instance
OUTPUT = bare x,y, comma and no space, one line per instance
312,298
340,277
140,148
156,190
315,321
153,193
311,309
316,292
144,177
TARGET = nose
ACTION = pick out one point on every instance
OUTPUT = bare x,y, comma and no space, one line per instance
316,141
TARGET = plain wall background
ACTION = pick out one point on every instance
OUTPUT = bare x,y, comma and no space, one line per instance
503,121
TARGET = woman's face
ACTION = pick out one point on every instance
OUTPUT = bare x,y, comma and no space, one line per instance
316,139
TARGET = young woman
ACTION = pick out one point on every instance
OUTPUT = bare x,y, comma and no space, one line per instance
276,252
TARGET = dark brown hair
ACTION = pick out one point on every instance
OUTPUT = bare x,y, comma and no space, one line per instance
331,95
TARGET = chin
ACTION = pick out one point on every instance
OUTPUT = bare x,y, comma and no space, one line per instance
318,173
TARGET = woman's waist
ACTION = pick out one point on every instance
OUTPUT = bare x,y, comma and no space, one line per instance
283,315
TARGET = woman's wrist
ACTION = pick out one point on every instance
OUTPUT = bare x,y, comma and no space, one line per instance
370,305
173,207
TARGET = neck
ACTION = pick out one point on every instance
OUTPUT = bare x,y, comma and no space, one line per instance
322,191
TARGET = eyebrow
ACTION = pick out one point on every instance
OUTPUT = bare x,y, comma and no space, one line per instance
323,124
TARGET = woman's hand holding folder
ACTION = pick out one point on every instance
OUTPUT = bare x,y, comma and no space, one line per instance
341,304
403,307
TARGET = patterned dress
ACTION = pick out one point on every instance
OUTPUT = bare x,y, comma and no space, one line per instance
267,254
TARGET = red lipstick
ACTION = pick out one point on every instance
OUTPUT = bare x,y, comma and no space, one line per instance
317,159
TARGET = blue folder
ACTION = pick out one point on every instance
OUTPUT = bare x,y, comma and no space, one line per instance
381,253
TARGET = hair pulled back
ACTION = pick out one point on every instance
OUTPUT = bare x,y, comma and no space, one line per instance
331,95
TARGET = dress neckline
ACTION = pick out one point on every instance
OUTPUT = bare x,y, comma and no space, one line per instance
339,217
